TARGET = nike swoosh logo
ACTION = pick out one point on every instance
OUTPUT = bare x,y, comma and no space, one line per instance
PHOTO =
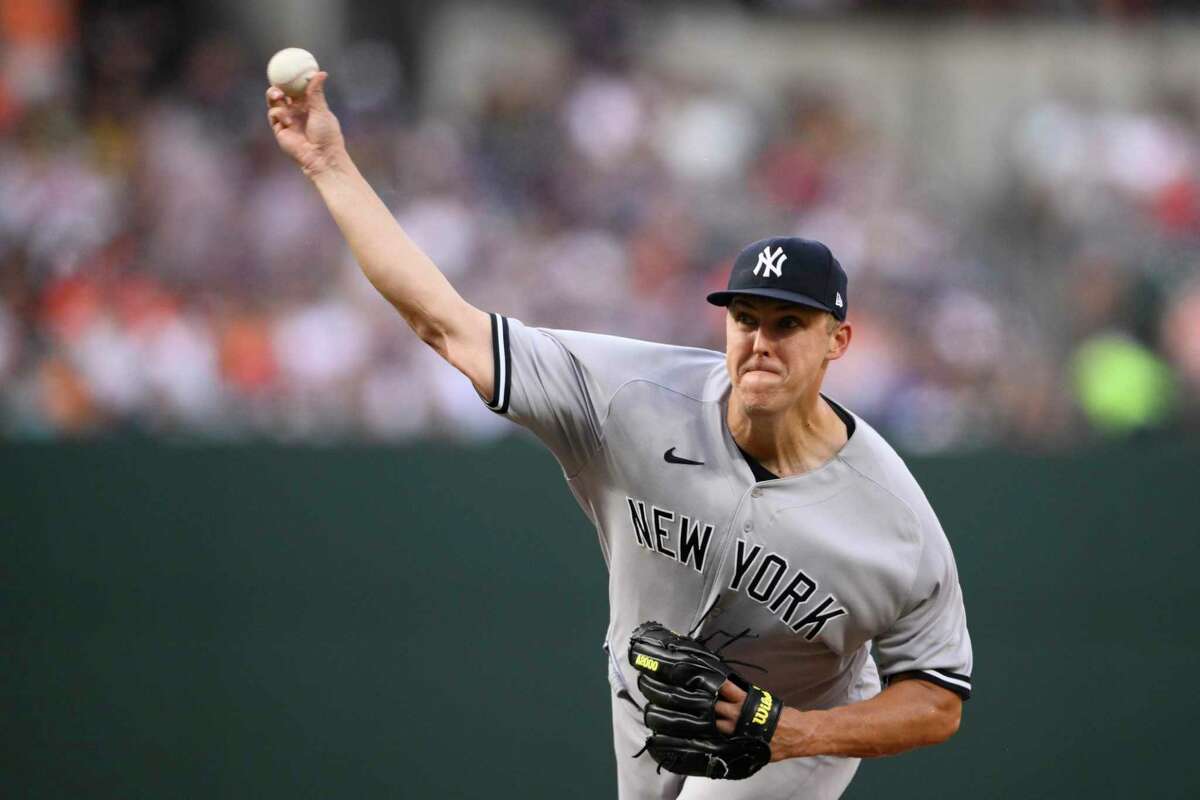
671,458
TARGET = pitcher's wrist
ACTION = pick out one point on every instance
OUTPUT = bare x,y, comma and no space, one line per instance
796,735
326,165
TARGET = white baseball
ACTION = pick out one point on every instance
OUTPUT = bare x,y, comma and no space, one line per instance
290,70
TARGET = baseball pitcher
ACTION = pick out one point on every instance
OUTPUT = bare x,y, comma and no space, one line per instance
783,599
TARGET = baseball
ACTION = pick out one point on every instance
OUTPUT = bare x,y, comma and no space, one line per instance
290,70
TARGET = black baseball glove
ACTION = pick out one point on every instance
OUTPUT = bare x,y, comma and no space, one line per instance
681,679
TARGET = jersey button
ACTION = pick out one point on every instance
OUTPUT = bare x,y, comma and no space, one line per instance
756,492
747,526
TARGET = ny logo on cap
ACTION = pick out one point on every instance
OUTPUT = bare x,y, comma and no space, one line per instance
770,262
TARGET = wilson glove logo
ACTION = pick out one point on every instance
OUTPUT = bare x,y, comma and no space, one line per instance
764,708
646,662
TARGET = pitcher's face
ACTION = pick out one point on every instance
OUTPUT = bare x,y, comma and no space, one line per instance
776,352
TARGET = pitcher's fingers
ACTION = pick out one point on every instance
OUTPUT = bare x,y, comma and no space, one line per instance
276,97
728,711
731,691
314,92
280,117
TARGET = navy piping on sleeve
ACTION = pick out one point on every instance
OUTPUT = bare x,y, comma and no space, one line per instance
502,365
955,682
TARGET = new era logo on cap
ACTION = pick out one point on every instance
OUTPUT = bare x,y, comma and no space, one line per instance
813,278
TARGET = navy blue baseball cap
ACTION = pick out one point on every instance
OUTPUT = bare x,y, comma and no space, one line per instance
788,268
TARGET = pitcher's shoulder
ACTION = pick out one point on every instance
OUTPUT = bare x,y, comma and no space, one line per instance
685,370
874,459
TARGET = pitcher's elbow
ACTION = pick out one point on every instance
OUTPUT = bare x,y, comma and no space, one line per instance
948,723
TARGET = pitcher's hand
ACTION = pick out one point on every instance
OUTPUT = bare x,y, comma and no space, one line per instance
305,128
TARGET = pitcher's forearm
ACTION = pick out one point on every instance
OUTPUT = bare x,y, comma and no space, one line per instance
391,261
309,133
907,714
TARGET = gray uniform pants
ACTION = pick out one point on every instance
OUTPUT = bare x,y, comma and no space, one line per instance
816,778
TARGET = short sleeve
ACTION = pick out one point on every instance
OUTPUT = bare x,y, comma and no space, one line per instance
930,639
555,383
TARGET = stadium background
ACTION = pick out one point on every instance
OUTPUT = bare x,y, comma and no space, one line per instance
257,541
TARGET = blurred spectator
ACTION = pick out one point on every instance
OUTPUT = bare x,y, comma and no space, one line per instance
1121,385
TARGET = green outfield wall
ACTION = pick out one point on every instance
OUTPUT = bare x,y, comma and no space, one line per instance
278,622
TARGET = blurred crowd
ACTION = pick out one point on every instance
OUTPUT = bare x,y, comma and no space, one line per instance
164,270
1067,9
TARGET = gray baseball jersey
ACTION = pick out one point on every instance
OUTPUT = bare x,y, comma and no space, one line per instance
799,576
